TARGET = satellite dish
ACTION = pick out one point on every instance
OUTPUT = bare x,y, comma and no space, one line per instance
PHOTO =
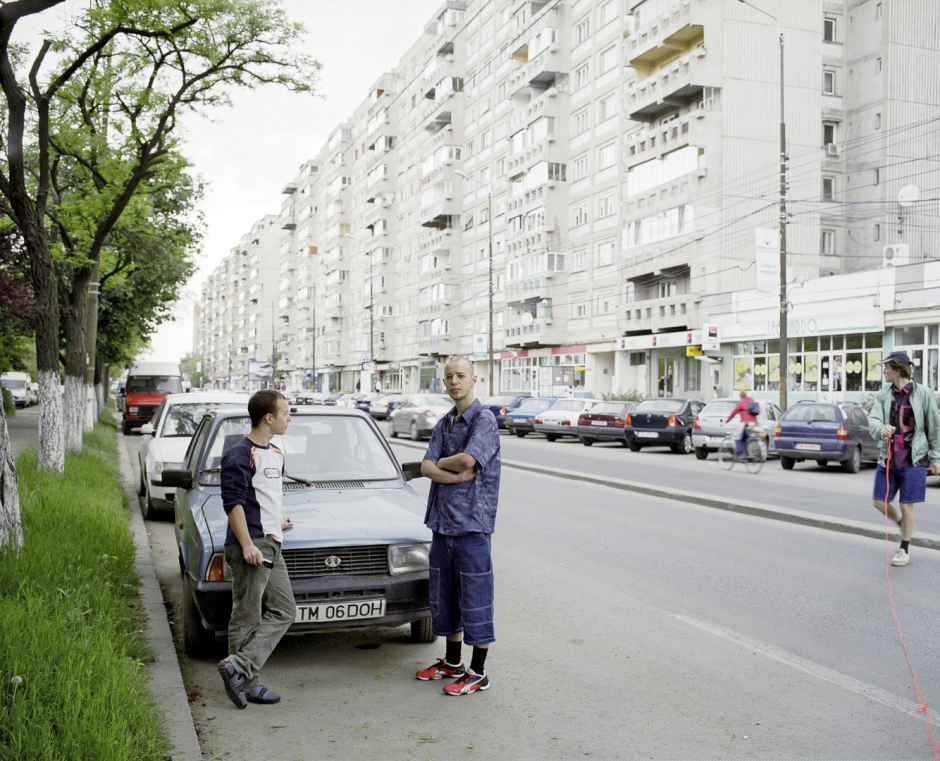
527,319
908,195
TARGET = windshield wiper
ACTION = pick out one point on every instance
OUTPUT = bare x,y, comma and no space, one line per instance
303,481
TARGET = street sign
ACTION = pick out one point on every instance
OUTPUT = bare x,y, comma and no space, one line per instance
693,351
367,366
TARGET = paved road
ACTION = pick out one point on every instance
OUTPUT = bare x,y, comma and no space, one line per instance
628,626
24,428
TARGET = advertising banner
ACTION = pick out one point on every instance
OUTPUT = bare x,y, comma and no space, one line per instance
768,260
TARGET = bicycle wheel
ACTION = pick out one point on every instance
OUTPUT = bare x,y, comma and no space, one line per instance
726,453
755,456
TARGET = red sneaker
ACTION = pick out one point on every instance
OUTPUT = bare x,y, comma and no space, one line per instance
468,683
439,670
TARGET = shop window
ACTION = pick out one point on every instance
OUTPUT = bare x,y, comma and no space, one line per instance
693,374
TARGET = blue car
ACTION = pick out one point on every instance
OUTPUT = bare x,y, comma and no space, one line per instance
519,421
825,432
358,553
500,406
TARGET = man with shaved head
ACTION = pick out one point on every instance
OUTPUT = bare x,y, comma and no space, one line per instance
463,463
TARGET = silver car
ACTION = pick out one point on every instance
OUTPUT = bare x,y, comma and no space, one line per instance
711,425
418,414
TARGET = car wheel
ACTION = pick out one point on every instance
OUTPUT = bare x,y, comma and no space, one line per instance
197,640
701,453
684,446
550,437
521,434
392,433
142,486
786,462
126,427
421,631
587,441
822,463
415,433
634,447
853,464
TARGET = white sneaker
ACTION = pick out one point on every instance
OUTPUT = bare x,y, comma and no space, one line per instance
900,557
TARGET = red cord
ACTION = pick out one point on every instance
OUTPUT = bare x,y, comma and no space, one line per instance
894,611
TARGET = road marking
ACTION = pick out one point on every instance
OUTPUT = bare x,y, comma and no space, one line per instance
807,666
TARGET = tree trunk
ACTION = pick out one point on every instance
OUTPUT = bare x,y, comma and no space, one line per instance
102,384
45,287
11,530
75,362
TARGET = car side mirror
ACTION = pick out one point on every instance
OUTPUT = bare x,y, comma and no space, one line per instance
182,479
411,470
146,429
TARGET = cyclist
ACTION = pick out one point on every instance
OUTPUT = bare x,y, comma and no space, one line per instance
746,410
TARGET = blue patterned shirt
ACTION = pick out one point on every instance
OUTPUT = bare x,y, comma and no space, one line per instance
469,507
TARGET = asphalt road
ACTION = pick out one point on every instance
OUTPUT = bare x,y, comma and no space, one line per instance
24,428
627,626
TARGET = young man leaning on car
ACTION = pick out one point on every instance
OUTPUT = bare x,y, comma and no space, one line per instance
463,462
251,496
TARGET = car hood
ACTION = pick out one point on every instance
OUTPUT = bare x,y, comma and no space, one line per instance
169,448
334,517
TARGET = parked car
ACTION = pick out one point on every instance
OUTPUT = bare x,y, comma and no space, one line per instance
500,406
330,399
824,432
418,414
165,440
711,426
662,423
366,401
561,419
381,408
519,421
349,400
605,421
358,553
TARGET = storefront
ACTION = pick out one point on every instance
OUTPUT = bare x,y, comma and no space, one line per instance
662,365
543,372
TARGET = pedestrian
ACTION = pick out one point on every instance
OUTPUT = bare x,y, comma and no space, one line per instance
262,601
463,463
906,423
746,410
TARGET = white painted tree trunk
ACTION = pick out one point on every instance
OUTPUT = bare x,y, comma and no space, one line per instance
99,400
11,530
74,409
91,408
51,449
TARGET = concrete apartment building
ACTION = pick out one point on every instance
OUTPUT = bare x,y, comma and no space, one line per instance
616,158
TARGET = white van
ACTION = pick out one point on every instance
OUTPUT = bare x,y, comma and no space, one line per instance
18,386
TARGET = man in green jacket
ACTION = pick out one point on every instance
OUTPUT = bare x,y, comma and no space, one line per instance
906,423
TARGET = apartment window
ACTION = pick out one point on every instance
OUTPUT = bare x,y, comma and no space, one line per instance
500,167
829,134
581,122
878,120
829,82
502,91
605,206
829,30
606,108
485,140
608,59
828,188
469,149
607,156
580,215
667,289
578,260
579,309
605,302
581,167
583,31
879,11
827,247
876,177
608,12
605,254
878,66
877,232
582,75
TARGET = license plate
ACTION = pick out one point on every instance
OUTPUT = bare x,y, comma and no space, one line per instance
810,447
647,435
339,611
598,422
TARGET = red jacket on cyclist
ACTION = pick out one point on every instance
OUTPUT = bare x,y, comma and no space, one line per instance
743,411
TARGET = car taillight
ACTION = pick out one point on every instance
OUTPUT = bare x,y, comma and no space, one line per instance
672,422
582,421
216,569
696,425
619,422
777,431
537,421
842,434
629,419
502,410
566,422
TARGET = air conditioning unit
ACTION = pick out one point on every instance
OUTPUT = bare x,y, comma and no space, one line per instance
896,256
832,149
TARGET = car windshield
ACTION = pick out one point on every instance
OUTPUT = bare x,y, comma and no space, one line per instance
568,405
154,384
6,383
719,407
661,405
498,401
182,419
535,405
327,448
812,413
608,409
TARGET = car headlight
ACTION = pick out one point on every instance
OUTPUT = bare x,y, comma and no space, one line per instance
408,558
132,410
159,467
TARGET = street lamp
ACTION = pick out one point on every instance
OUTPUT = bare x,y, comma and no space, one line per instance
783,220
489,207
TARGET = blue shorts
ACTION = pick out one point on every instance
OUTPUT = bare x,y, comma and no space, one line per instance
460,587
911,482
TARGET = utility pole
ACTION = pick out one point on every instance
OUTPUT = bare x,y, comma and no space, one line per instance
313,348
273,352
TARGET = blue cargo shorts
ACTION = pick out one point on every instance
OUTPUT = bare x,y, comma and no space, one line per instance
460,587
911,482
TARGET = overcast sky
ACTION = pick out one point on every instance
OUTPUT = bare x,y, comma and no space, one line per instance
248,152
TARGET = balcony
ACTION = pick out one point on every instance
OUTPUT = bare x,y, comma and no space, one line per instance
671,312
652,142
434,345
681,82
442,213
541,331
660,33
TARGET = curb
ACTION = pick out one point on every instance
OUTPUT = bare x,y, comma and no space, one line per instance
745,507
166,681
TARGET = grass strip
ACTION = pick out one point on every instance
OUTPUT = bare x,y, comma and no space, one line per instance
72,648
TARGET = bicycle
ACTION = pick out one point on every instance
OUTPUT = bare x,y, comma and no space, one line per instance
755,451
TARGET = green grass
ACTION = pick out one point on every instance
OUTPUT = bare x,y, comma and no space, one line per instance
72,652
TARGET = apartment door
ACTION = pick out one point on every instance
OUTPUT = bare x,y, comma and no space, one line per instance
667,374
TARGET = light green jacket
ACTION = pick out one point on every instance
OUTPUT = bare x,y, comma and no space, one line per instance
926,436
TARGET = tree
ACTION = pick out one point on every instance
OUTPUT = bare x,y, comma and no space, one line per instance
103,124
192,367
16,302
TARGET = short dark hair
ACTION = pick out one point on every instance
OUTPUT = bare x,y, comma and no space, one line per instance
900,368
263,402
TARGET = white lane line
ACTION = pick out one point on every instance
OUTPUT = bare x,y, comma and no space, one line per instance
808,667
